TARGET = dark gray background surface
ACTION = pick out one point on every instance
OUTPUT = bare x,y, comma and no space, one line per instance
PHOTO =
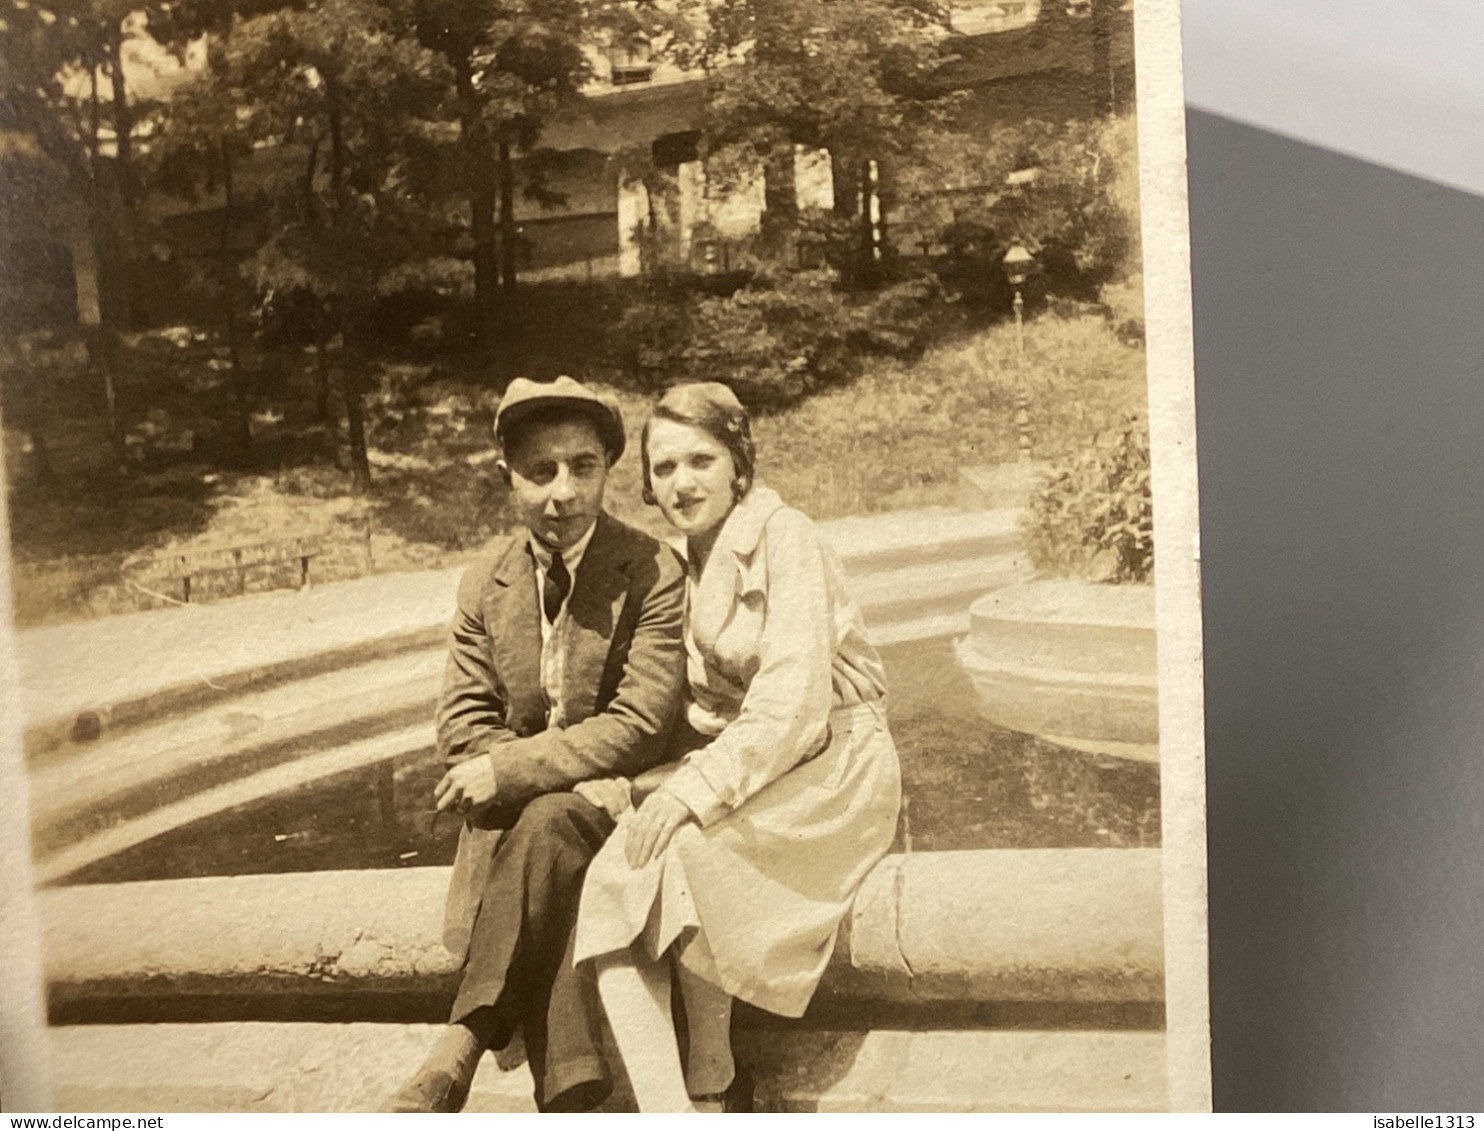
1339,333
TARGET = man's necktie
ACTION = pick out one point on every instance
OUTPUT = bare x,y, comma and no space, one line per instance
558,585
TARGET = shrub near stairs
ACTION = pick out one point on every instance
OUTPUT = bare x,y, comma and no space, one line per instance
1093,517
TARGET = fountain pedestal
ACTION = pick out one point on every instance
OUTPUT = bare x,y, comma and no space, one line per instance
1069,661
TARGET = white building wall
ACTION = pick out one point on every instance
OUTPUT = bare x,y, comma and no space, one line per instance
737,212
691,179
814,178
633,218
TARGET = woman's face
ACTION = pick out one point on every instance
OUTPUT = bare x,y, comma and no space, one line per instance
691,474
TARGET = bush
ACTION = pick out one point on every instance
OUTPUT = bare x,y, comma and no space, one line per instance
1073,202
1093,517
899,320
774,340
772,344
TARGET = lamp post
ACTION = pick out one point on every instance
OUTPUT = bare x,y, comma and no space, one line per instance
1017,264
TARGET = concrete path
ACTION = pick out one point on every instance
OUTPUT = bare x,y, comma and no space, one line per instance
265,1066
68,668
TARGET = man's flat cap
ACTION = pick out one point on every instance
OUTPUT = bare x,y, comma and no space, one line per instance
525,397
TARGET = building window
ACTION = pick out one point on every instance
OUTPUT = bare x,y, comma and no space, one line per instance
630,61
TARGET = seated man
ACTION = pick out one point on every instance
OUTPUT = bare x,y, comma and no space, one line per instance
565,666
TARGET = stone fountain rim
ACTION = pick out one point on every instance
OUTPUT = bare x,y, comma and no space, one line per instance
1072,601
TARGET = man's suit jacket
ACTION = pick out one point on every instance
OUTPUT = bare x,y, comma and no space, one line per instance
624,672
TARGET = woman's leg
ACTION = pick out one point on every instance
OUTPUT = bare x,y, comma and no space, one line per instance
709,1066
636,997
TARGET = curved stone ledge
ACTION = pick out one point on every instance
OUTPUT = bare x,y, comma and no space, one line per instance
1049,925
1070,660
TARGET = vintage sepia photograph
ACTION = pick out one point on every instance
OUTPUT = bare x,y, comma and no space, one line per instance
600,555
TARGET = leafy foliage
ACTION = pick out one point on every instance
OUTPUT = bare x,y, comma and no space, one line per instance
776,339
511,65
1067,191
342,80
852,78
855,79
1093,517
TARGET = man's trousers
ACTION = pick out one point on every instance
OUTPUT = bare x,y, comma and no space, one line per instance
519,970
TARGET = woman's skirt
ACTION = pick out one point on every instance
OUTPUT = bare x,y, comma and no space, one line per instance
753,902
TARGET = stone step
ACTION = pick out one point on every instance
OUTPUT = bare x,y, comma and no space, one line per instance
144,666
928,626
907,594
1003,925
305,1067
867,544
412,741
134,668
117,790
123,776
245,722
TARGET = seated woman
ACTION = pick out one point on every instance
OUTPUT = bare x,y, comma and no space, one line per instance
740,865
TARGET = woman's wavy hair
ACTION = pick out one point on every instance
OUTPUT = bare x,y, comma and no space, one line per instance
715,410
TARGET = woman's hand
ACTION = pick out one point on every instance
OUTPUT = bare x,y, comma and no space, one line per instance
654,823
609,794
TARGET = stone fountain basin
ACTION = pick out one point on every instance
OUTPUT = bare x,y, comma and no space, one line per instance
1069,661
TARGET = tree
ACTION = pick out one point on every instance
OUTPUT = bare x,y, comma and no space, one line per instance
854,79
513,63
198,153
344,84
49,51
1068,191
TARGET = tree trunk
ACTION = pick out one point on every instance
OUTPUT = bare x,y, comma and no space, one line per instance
123,118
1103,82
337,151
508,236
852,207
780,200
352,371
845,182
323,381
105,218
95,119
322,375
241,393
102,344
479,162
309,204
125,290
96,293
352,360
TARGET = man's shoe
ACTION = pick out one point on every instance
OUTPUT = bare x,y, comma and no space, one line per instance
429,1090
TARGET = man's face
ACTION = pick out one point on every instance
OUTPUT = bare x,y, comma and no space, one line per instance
557,473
